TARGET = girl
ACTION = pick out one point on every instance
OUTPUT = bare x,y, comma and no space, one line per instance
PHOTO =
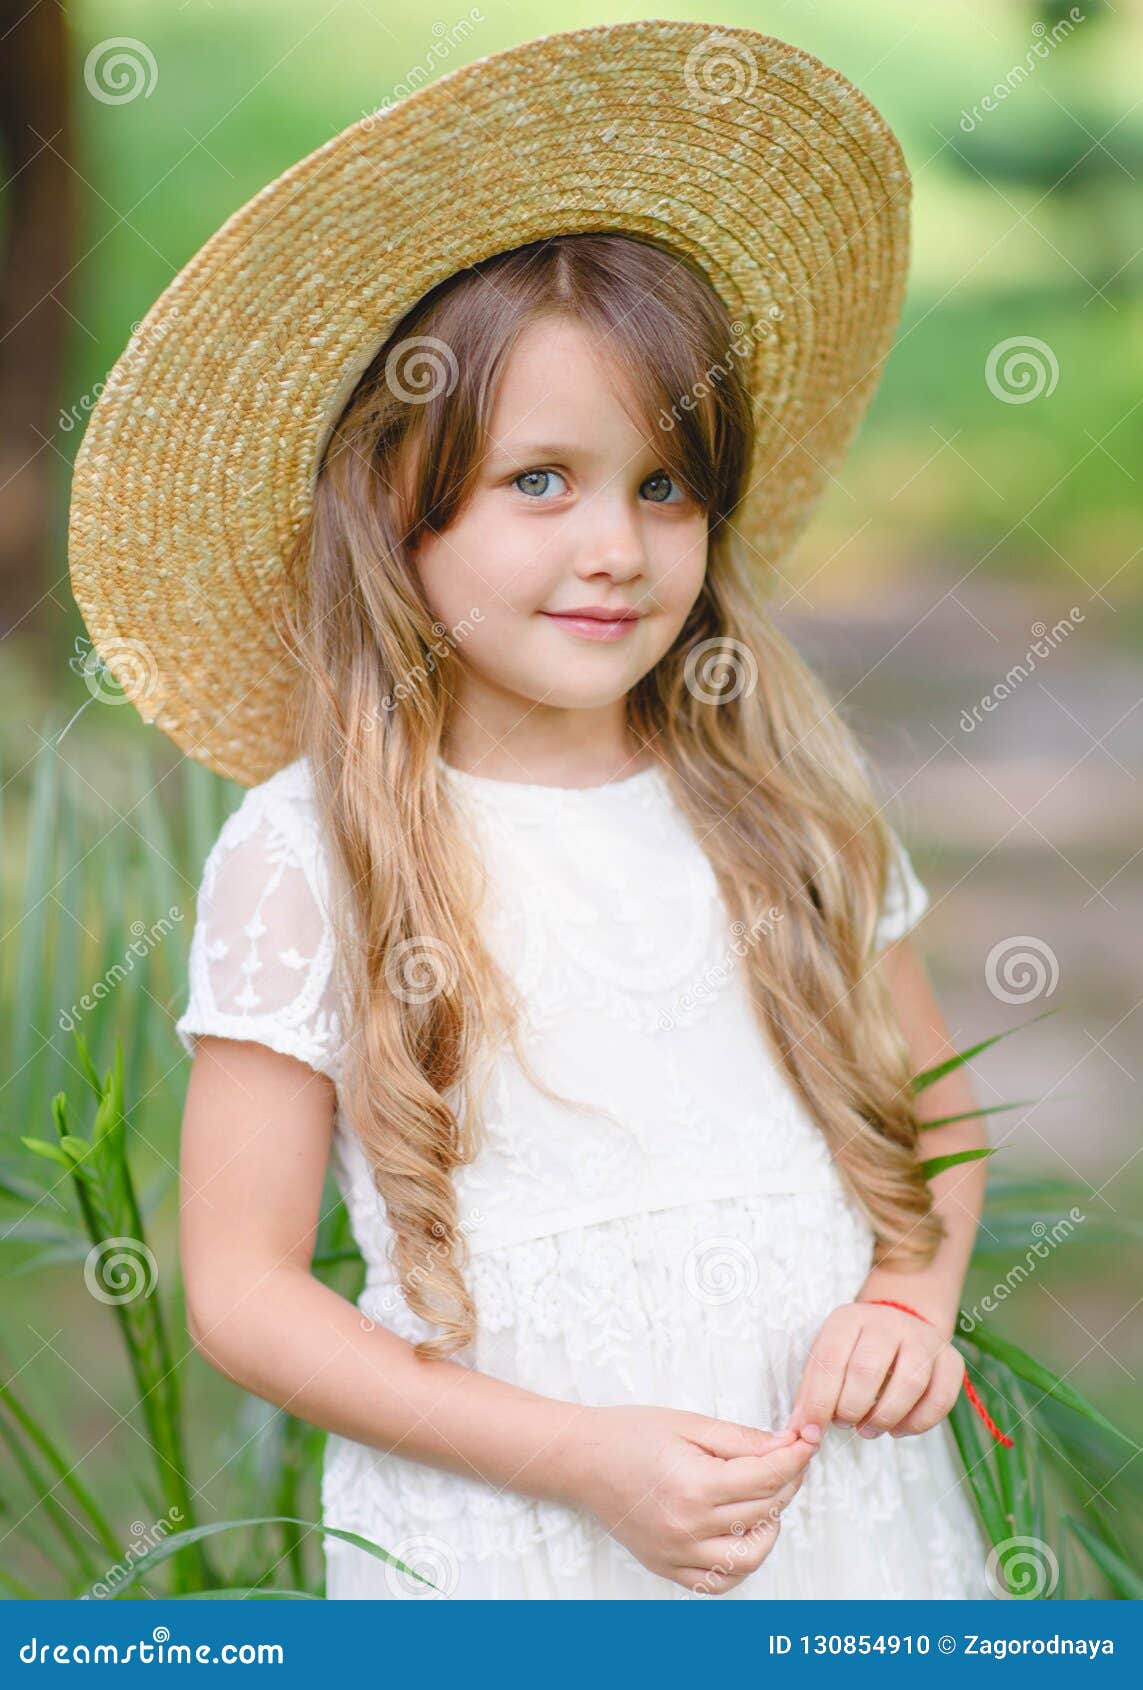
575,932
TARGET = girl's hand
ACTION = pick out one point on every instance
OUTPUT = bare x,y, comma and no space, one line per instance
696,1500
878,1369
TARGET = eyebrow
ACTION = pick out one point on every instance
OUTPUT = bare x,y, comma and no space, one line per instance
536,449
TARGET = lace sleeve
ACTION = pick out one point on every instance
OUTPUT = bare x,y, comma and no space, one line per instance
261,955
905,902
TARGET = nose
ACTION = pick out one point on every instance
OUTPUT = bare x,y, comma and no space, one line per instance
612,541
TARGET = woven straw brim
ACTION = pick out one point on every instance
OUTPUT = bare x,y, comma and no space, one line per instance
750,157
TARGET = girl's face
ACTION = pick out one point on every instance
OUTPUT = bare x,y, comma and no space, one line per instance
571,510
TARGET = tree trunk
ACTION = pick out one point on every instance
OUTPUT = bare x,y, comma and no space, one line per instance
37,206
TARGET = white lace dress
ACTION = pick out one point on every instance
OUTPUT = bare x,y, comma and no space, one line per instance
681,1253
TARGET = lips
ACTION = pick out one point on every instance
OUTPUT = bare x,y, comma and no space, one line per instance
595,624
592,614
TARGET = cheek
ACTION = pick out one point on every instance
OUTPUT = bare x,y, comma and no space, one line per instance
682,572
485,566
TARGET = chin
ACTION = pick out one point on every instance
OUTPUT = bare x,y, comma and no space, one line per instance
575,698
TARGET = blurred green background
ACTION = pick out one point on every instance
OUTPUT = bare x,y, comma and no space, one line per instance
975,510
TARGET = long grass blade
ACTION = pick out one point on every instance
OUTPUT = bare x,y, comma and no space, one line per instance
180,1540
1123,1579
1034,1373
972,1114
937,1164
929,1076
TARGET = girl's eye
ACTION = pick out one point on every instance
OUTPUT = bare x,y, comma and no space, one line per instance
659,479
535,475
539,479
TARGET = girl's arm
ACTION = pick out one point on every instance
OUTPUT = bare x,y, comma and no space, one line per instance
878,1368
698,1500
256,1136
958,1193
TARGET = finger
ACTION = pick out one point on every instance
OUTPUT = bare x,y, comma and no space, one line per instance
822,1377
747,1477
866,1372
736,1519
700,1581
730,1519
739,1553
736,1556
943,1390
731,1438
910,1379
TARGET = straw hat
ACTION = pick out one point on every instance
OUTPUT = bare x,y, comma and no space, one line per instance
738,151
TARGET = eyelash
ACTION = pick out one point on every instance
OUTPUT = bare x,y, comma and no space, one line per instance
542,471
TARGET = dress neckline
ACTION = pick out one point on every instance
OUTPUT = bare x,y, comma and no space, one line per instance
494,786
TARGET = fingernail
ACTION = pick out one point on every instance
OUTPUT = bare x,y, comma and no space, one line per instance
812,1433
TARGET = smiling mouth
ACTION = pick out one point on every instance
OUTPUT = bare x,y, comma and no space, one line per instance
594,615
594,624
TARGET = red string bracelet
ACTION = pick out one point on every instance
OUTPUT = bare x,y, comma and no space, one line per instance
969,1388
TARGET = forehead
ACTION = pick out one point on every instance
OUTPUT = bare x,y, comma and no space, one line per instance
561,388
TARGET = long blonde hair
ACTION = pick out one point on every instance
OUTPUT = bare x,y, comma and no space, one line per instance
772,781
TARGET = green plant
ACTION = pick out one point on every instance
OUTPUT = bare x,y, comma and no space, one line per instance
1061,1440
120,1270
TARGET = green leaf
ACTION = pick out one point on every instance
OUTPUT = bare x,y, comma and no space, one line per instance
937,1164
76,1147
52,1152
241,1593
1124,1580
87,1064
1025,1367
929,1076
971,1114
180,1540
967,1431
